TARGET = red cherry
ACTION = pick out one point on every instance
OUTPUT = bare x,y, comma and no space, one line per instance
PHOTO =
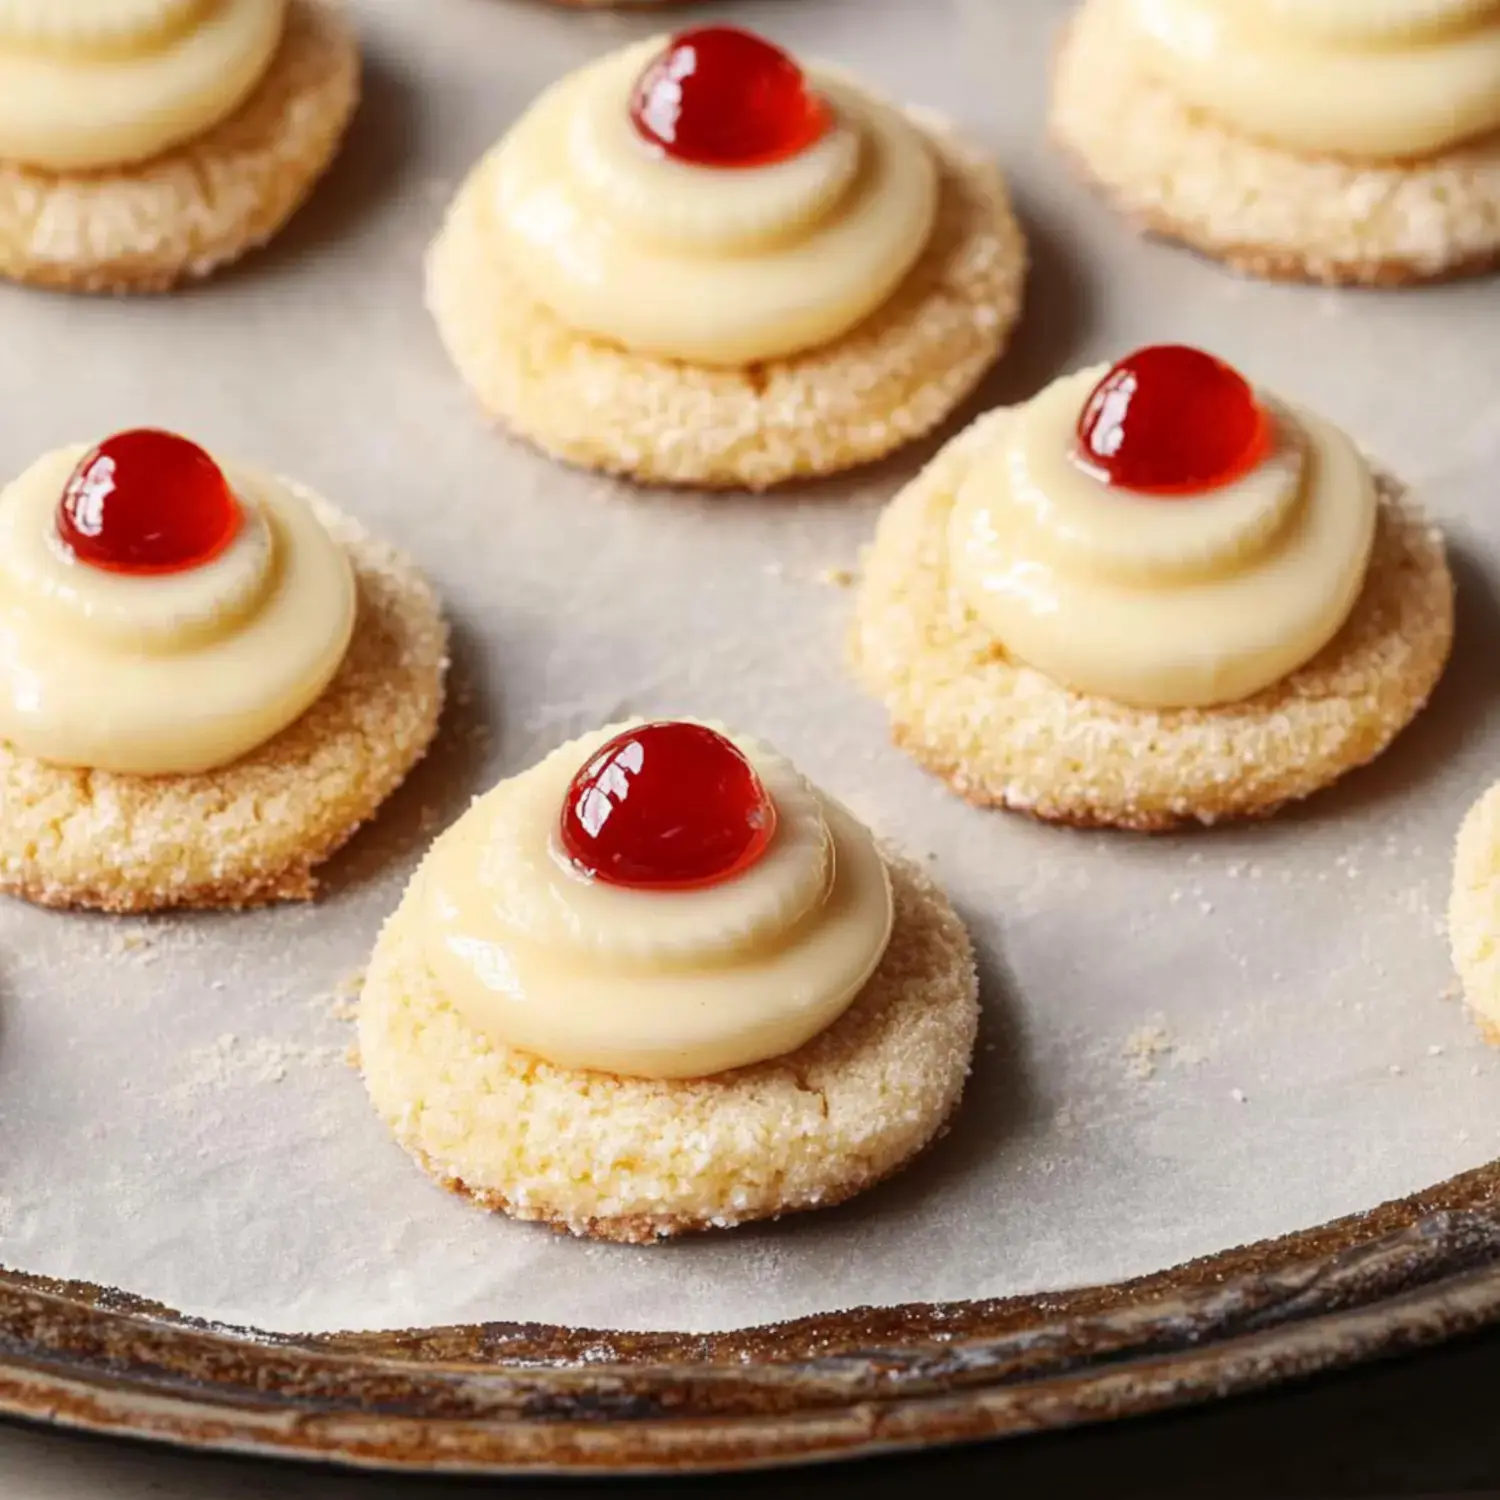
147,502
722,97
1170,420
667,807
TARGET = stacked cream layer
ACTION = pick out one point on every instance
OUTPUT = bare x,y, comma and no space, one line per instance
87,84
1372,80
165,674
1161,602
649,984
717,267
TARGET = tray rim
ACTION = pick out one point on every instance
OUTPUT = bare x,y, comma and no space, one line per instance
531,1399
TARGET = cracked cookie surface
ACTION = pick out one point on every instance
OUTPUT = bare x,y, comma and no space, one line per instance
636,1160
1003,735
1263,210
186,212
250,832
886,382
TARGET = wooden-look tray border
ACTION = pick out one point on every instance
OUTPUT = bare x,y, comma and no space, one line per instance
530,1398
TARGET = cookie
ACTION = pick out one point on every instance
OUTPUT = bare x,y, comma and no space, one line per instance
1263,210
185,213
251,832
888,381
636,1160
1003,735
1474,911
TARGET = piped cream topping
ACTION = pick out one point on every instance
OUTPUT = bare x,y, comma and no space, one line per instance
713,266
1367,79
1153,601
93,85
165,674
652,984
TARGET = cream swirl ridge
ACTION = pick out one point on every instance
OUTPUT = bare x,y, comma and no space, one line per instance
714,266
1161,602
78,94
663,984
1370,80
682,207
93,27
165,675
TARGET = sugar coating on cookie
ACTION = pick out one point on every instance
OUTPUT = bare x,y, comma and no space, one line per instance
192,209
1003,735
253,831
885,383
1474,911
635,1160
1264,210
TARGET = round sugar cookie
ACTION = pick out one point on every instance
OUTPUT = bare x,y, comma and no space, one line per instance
1264,210
885,383
1474,911
253,831
1004,735
192,209
636,1160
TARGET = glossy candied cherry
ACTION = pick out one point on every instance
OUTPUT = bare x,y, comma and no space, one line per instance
667,807
1170,420
722,97
146,501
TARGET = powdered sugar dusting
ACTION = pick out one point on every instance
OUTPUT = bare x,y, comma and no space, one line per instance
252,1182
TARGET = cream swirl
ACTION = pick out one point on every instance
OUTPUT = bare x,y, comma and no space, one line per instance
1368,79
1161,603
77,93
93,27
165,674
657,984
716,267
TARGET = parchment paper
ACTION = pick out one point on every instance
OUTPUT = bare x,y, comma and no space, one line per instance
1189,1042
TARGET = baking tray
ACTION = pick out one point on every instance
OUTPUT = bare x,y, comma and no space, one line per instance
522,1398
1189,1043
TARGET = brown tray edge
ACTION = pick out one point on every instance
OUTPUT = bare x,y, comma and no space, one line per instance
526,1398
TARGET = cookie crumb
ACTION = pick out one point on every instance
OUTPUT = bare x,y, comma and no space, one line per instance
1143,1047
343,999
232,1060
